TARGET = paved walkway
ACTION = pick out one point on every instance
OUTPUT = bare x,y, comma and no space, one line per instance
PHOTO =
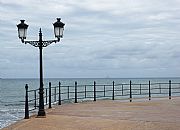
157,114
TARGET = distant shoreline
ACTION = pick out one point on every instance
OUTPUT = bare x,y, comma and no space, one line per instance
104,78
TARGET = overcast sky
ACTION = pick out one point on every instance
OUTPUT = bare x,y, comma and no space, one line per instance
102,38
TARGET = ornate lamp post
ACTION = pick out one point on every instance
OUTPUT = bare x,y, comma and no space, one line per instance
58,32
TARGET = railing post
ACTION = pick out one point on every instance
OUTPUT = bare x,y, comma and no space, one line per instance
122,90
50,95
113,92
104,90
160,88
140,89
169,89
26,103
149,90
59,93
46,96
54,94
94,91
85,91
130,92
68,92
35,99
76,92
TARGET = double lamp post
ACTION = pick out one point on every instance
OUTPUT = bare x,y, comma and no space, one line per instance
58,32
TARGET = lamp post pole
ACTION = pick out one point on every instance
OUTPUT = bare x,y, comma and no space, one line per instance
41,111
58,31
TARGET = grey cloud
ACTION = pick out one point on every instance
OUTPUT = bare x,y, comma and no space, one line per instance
118,38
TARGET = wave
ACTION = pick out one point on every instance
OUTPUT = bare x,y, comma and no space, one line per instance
7,118
11,103
14,104
11,111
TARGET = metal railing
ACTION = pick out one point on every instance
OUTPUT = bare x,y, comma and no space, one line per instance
78,93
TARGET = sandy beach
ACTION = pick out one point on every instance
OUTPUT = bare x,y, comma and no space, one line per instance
157,114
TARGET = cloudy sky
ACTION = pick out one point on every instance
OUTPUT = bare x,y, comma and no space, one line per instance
102,38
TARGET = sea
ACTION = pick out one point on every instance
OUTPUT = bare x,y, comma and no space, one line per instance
12,92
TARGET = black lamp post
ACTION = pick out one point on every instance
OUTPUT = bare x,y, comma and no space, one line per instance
58,32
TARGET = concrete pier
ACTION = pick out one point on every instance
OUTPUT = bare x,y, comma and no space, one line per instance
157,114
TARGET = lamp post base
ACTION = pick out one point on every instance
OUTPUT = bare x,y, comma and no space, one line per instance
41,114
